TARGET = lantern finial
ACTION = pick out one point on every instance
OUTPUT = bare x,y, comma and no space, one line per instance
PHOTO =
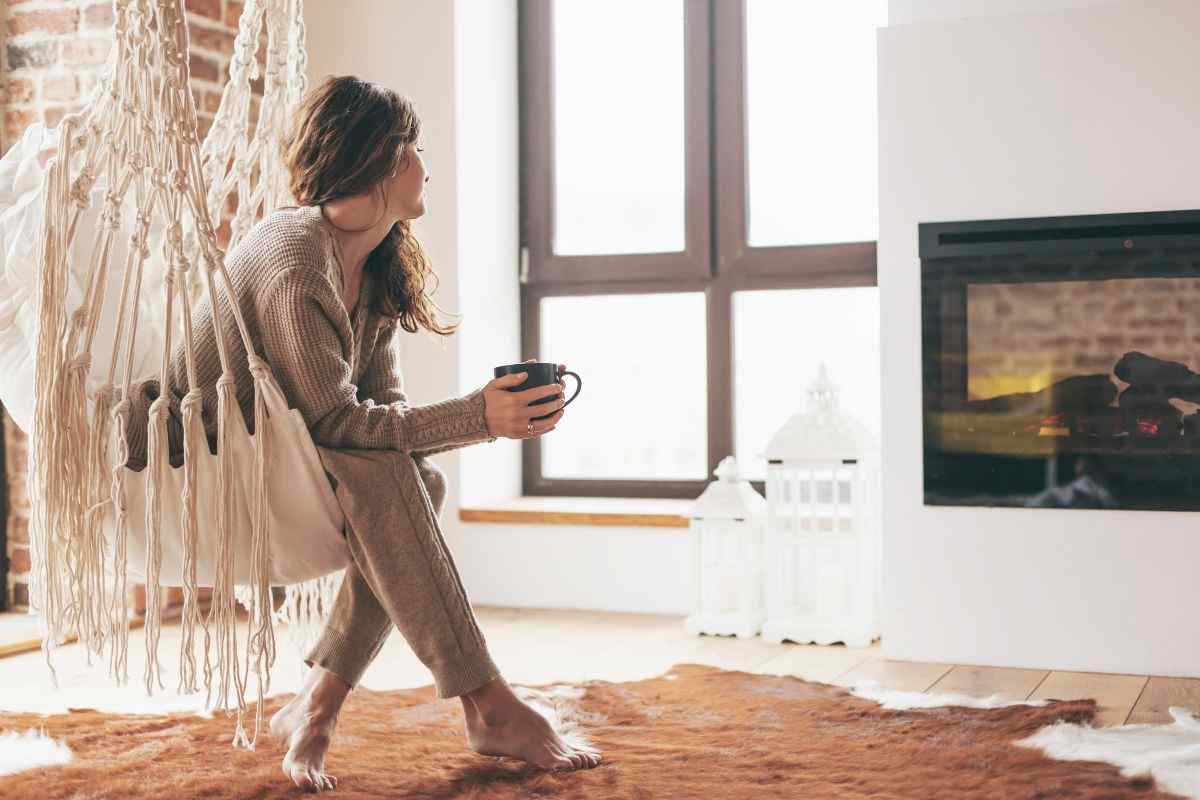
727,470
822,393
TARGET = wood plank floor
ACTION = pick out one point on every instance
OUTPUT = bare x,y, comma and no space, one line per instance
542,645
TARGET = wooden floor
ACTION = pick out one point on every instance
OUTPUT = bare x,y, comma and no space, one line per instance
542,646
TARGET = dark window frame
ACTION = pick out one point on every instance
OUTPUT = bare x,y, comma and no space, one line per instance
717,259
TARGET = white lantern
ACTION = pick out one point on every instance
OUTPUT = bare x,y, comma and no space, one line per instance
726,530
823,544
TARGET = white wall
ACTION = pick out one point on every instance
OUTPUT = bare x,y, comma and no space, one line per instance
904,12
488,224
1076,112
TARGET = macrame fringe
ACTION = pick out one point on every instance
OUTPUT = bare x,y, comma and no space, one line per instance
193,441
305,608
139,131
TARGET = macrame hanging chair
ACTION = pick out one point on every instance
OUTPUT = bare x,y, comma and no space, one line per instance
87,291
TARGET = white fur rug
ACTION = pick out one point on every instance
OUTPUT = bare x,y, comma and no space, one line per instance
1171,753
30,750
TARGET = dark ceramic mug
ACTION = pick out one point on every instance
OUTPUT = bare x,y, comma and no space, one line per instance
539,373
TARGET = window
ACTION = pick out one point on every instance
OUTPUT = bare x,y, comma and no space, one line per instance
698,224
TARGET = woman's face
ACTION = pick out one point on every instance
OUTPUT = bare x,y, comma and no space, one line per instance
406,189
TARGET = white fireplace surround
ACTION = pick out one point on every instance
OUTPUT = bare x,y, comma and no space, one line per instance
1080,110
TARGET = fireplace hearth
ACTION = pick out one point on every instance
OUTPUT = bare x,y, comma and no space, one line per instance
1060,361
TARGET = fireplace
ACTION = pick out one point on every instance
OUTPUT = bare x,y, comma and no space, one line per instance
1059,361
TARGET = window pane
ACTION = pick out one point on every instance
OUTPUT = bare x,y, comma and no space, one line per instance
780,339
811,121
618,127
643,410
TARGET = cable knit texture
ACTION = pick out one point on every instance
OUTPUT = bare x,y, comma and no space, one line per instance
339,369
340,372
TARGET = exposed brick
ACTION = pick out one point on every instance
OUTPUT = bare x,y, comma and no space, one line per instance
233,13
203,123
16,120
60,88
18,493
17,531
210,101
85,52
20,595
20,90
18,561
217,40
204,69
31,54
52,115
52,20
99,15
205,8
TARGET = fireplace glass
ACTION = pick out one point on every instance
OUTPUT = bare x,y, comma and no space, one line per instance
1060,361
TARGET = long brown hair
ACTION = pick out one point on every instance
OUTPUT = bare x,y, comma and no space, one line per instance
346,136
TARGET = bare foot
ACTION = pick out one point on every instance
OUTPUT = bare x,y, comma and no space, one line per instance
501,724
306,724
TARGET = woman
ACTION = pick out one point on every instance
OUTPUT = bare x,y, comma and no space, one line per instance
324,285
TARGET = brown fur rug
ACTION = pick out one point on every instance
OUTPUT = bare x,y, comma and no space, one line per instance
694,732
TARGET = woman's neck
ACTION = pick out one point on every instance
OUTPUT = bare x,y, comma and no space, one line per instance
356,245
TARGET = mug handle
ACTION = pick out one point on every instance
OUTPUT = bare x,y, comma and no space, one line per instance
578,386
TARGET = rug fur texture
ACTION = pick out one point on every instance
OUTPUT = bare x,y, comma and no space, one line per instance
693,732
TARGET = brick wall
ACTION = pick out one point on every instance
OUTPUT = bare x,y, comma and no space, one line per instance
53,51
1023,337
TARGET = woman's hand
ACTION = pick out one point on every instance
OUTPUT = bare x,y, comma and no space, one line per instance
508,414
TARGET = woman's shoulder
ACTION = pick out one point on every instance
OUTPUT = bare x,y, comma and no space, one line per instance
289,241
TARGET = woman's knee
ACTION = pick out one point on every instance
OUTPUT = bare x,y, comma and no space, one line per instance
435,483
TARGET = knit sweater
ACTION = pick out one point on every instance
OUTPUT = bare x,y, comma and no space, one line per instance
339,371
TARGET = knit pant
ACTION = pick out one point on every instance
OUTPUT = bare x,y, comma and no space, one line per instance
401,574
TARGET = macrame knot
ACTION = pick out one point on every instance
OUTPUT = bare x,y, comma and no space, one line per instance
81,190
121,408
179,179
158,409
137,244
174,236
192,402
226,380
112,217
214,259
258,368
158,178
81,363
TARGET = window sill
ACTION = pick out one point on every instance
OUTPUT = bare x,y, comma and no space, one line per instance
609,511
